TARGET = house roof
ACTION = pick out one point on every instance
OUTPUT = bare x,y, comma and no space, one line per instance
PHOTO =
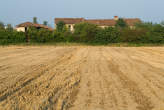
69,20
29,24
26,24
100,22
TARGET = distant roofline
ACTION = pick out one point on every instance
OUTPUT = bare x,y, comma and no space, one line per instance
68,18
30,24
94,19
101,22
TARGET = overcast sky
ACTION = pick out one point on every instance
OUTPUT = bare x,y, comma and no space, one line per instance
18,11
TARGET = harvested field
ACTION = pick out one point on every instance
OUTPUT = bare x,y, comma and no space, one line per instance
81,78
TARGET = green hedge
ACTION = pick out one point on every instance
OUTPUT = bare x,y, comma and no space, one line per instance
107,35
88,33
11,37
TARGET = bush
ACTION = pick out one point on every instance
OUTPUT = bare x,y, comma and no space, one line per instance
60,26
11,37
41,35
156,34
133,35
120,23
107,35
85,32
2,26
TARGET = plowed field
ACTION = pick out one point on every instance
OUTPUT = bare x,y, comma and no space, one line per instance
81,78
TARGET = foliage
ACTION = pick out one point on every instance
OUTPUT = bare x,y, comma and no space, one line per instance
2,25
60,26
133,35
40,35
145,25
107,35
44,36
35,20
45,23
9,27
156,34
121,23
11,37
85,32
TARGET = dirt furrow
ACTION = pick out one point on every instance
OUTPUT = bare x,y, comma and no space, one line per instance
66,85
81,78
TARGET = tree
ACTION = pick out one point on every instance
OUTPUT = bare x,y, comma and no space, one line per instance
121,23
9,27
136,35
60,26
144,25
85,32
2,25
107,35
45,23
35,20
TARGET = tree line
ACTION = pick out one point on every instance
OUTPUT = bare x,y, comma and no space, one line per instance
145,32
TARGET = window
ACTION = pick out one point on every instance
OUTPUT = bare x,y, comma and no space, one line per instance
69,26
25,29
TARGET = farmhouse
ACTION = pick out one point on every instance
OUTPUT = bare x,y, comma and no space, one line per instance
70,22
24,26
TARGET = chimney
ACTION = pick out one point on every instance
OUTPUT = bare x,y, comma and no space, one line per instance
116,18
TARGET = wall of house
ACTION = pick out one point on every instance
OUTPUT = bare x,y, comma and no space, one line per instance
20,29
105,26
132,27
55,26
70,27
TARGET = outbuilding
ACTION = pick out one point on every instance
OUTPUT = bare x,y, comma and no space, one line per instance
23,27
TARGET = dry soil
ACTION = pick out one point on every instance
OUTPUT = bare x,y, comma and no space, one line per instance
81,78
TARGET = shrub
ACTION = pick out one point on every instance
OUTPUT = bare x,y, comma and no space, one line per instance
133,35
11,37
2,26
156,34
107,35
120,23
41,35
85,32
60,26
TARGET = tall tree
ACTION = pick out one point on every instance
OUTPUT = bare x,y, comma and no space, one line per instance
2,25
45,23
60,25
121,23
35,20
9,27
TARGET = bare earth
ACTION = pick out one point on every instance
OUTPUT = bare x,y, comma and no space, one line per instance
81,78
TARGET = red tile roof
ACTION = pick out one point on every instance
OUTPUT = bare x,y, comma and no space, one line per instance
26,24
29,24
100,22
69,20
